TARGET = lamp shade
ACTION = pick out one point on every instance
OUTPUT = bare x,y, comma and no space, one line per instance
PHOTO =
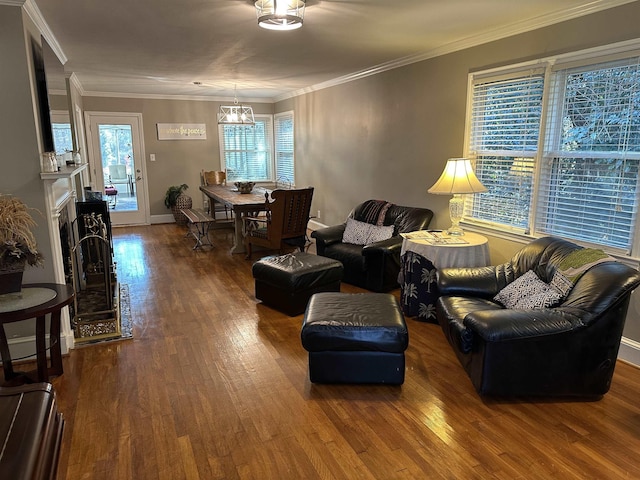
280,14
457,177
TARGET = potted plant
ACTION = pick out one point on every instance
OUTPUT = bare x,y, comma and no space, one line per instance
17,243
176,200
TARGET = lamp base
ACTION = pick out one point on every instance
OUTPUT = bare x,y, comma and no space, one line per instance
455,231
456,213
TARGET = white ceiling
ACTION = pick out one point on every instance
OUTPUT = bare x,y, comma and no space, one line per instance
160,47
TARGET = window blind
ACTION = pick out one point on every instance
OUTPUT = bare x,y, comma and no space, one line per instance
505,124
284,148
589,175
246,150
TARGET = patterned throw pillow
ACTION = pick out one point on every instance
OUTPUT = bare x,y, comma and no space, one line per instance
361,233
528,292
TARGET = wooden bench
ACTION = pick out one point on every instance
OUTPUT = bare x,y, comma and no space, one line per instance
199,223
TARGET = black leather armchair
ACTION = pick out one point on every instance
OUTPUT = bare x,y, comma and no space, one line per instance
566,350
374,266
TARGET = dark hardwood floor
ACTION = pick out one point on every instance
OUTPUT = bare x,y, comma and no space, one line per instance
214,385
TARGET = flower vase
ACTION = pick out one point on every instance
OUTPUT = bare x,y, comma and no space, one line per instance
11,277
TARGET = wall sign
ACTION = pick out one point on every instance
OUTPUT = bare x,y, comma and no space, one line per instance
182,131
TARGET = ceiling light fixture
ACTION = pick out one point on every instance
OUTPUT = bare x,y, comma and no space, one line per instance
280,14
235,114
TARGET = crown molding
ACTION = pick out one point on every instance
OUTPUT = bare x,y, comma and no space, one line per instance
469,42
73,80
12,3
36,17
152,96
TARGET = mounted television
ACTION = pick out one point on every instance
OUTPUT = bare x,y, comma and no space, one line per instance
42,99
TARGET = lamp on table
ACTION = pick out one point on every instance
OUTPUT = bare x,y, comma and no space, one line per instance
457,179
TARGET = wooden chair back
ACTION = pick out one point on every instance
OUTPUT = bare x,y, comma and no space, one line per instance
289,213
214,177
287,216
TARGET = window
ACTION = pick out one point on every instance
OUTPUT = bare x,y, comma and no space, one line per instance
504,140
559,149
246,150
61,129
284,148
62,137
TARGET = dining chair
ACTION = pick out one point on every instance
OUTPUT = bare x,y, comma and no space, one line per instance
215,177
284,224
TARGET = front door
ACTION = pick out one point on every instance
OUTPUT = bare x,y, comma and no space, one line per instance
117,166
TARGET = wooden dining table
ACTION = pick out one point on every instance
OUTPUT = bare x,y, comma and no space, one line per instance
242,204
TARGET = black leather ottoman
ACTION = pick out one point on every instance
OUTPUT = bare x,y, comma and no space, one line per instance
286,282
355,338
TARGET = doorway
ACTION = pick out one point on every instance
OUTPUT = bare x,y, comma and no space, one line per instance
117,164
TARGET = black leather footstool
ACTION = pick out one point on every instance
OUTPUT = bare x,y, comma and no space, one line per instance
355,338
286,282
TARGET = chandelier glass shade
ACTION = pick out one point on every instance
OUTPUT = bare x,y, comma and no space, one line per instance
280,14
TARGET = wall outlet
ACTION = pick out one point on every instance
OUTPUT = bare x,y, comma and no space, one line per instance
318,214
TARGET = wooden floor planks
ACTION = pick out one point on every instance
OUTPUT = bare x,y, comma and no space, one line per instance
214,385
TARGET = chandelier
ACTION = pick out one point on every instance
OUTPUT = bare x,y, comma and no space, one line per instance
235,114
280,14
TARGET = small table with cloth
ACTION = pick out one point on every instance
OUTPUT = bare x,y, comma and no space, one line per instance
422,255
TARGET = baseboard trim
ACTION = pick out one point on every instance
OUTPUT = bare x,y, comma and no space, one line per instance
629,352
167,218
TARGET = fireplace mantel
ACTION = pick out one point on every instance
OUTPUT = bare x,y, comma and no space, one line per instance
62,188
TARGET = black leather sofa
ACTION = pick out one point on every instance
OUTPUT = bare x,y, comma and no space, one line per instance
374,266
566,350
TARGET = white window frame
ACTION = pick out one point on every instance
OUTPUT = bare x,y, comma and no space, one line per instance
550,65
279,149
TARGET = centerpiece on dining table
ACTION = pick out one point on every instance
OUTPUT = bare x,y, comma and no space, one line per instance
245,187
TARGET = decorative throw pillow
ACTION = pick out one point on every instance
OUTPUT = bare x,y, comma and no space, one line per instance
361,233
379,233
528,292
356,232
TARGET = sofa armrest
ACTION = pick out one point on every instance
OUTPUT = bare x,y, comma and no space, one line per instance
389,246
469,282
506,324
327,236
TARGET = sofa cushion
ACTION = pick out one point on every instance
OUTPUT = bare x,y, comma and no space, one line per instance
528,292
361,233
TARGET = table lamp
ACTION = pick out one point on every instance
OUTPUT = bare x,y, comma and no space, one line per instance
457,179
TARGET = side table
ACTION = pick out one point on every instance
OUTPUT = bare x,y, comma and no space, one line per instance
36,300
420,260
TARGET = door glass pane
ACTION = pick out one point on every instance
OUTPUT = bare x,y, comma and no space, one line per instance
116,151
